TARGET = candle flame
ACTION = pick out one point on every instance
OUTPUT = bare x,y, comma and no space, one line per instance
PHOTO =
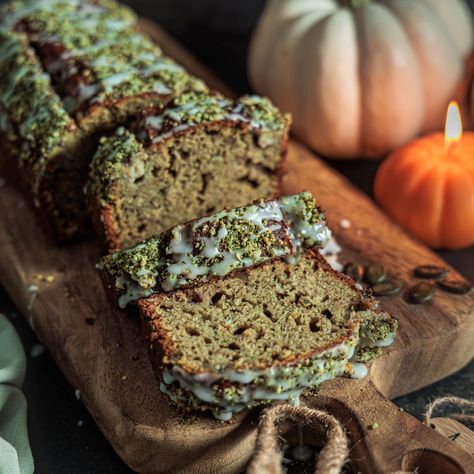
453,128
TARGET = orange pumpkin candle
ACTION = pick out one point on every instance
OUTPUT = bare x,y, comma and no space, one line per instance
427,186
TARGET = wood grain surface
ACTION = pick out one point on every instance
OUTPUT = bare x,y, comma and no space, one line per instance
455,431
102,353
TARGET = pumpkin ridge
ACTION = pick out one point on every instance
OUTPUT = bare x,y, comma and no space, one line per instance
322,33
443,215
456,234
393,171
409,194
431,187
457,18
382,106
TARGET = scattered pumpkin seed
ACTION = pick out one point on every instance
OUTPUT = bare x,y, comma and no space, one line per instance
375,273
387,287
432,272
451,285
356,272
420,293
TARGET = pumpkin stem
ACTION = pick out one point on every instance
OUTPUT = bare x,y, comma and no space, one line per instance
354,3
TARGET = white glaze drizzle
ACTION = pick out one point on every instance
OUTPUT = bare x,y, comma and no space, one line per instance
275,383
358,370
230,111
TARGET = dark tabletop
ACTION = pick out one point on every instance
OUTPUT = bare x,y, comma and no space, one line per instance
63,436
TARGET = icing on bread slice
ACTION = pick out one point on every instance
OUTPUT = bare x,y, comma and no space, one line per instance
216,245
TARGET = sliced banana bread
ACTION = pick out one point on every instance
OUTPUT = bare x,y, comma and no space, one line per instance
265,333
73,70
203,153
215,246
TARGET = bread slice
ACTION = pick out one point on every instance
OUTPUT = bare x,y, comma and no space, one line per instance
72,71
266,333
215,246
203,153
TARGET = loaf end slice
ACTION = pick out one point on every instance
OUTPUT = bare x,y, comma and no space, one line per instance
266,333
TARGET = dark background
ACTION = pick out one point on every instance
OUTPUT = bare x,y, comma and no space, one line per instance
64,438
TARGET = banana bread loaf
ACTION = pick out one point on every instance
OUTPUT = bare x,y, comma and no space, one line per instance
73,70
265,333
215,246
202,153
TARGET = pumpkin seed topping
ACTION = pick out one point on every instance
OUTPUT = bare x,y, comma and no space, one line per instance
387,287
432,272
452,285
375,273
421,293
356,272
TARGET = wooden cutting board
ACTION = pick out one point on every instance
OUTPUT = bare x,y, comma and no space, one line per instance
102,353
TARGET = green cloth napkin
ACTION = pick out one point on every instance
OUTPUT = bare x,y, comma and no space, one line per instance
15,452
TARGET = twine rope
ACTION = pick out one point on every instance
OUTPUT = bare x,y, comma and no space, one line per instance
460,403
267,458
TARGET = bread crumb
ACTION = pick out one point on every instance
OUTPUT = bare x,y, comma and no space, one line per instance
374,426
37,350
45,278
124,377
77,393
345,224
80,423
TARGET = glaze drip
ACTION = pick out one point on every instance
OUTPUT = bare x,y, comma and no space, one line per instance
275,383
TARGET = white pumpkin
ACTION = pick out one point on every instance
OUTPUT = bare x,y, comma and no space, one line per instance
361,76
